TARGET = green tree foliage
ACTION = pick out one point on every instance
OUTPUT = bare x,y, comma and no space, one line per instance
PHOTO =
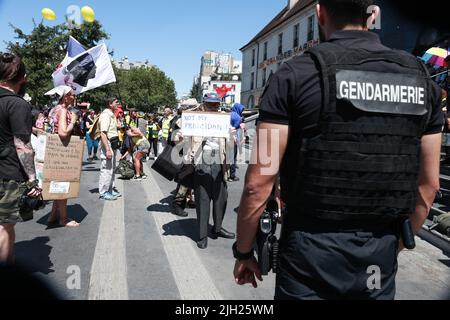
146,89
195,91
89,34
142,89
45,47
41,50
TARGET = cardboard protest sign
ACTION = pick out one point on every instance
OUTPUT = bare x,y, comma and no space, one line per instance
62,168
38,144
204,124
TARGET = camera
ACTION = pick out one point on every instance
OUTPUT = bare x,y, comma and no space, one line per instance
266,241
27,203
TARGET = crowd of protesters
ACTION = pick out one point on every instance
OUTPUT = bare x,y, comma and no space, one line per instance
137,136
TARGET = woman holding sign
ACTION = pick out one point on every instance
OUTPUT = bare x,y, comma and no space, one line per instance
65,123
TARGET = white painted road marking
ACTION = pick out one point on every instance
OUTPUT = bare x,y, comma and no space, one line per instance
108,278
191,276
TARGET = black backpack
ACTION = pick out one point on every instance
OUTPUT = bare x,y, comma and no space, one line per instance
126,144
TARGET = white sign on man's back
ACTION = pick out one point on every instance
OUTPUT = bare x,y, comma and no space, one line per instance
204,124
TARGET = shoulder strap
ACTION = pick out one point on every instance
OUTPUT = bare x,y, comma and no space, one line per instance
317,56
424,69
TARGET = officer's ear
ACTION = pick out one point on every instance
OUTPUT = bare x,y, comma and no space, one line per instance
320,15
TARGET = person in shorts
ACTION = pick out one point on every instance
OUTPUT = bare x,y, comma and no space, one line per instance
17,171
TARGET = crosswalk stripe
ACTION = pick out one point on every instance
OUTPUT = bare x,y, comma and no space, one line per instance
192,278
108,278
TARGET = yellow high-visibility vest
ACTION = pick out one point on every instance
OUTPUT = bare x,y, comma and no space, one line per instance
166,128
155,131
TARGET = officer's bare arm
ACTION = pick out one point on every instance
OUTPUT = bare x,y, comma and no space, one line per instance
259,181
428,179
26,157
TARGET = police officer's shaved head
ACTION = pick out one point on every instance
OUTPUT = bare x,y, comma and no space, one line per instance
345,12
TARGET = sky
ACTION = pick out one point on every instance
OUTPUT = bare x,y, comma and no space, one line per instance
171,34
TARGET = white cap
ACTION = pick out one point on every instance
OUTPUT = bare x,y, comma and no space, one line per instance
61,91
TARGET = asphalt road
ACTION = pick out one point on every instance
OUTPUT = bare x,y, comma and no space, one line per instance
136,249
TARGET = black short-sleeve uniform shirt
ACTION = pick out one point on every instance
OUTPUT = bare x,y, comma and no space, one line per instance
293,97
15,121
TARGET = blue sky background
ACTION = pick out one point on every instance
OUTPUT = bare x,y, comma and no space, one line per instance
172,34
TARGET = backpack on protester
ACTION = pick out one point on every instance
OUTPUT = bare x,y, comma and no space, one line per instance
125,169
126,145
94,131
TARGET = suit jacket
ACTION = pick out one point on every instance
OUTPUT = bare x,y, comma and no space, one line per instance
194,147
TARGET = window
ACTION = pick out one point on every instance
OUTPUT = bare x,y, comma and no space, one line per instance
296,35
253,57
280,43
252,84
311,27
264,77
265,51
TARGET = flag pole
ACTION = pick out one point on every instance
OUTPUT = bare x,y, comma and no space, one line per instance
440,74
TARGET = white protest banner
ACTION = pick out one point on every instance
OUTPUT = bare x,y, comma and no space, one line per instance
88,70
204,124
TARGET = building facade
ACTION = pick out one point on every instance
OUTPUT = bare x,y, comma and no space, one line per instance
126,64
220,73
293,31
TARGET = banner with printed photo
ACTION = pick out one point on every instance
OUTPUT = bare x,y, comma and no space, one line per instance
86,71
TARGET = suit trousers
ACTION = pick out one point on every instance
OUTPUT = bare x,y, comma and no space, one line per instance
210,187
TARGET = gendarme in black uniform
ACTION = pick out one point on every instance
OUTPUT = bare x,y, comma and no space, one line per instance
357,112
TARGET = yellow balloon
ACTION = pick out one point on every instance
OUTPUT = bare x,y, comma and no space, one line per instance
48,14
88,14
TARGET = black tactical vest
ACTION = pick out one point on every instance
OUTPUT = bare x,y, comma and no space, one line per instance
363,164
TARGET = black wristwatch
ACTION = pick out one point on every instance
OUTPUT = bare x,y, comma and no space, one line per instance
241,256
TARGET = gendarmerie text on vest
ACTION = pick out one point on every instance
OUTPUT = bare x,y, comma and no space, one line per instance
382,92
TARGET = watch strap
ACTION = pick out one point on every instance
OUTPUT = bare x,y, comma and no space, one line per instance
241,256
